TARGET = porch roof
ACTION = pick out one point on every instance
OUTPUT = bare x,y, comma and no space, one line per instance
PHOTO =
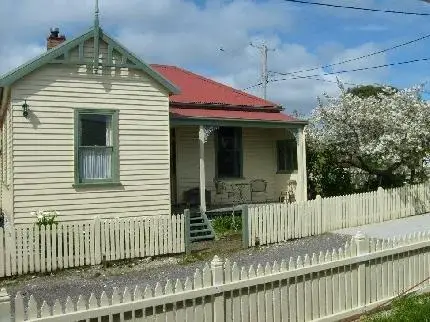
202,115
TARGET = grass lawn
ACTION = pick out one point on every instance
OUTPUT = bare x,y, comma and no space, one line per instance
409,308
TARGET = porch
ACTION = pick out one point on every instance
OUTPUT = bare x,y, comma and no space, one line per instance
219,165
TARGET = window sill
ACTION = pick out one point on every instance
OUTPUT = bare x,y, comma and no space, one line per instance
97,184
287,172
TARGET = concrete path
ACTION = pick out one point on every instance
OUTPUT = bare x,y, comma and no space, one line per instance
392,228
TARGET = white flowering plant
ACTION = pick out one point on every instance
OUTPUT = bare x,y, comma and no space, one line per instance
46,217
386,135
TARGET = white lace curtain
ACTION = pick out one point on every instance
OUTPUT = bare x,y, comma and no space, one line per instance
96,162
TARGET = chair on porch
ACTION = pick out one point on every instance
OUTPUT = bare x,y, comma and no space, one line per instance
222,191
258,190
289,195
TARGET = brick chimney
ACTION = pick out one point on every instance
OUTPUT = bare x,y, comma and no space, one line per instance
54,38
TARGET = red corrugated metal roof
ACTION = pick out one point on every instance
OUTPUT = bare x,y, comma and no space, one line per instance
196,89
229,114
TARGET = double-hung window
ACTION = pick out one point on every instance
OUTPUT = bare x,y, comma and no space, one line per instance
96,146
287,156
229,152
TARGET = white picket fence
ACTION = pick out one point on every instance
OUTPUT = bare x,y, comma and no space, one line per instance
325,287
273,223
29,249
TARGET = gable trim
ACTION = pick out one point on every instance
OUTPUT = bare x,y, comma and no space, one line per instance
127,55
64,48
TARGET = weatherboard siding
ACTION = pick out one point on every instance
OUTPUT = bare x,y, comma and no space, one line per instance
259,161
43,144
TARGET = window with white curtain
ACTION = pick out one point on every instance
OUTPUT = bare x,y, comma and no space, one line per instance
96,150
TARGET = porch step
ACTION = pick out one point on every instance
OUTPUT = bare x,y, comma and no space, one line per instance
202,231
198,224
200,238
200,228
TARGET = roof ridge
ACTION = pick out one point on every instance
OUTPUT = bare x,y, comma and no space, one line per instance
208,80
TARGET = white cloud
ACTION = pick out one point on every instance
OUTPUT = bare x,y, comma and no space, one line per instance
16,54
182,33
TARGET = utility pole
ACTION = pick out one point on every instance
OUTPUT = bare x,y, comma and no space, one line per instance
264,74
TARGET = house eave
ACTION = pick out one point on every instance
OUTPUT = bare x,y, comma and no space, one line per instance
177,121
227,107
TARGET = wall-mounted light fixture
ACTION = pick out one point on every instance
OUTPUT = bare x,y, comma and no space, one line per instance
25,109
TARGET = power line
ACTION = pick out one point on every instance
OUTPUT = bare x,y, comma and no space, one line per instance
264,74
306,78
365,68
345,71
356,58
331,81
359,8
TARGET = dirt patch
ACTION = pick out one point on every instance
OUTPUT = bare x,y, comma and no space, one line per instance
206,250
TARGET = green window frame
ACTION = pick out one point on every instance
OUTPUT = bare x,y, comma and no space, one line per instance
287,155
229,152
82,119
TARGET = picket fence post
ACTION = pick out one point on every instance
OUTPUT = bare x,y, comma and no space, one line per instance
362,244
380,204
217,267
245,227
187,231
97,240
4,306
319,212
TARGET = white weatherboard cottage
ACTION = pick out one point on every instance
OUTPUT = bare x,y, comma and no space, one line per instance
87,131
95,140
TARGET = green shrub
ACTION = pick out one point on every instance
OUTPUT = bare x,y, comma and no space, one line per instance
227,224
408,308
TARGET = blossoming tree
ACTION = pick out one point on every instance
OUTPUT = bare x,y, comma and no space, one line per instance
387,135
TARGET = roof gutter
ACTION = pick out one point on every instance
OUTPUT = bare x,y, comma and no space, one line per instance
235,122
267,109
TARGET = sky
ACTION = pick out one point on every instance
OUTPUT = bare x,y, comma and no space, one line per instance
190,33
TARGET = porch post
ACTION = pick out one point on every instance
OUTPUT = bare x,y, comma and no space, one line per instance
301,165
202,169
